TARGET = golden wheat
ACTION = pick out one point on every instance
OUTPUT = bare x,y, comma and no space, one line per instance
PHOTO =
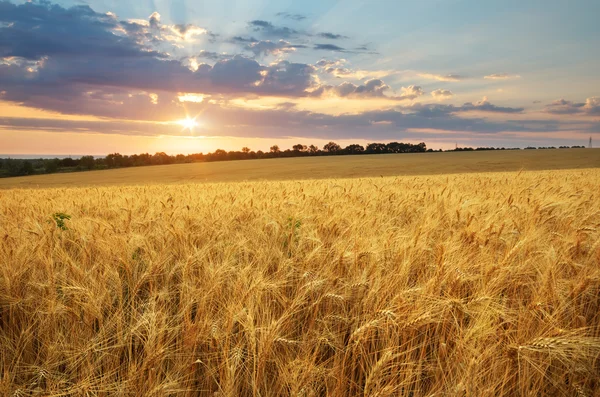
475,285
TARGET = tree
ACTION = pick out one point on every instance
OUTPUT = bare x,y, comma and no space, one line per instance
299,148
87,162
376,148
219,154
245,150
26,168
354,149
51,166
161,158
114,160
312,149
69,162
396,147
275,149
332,147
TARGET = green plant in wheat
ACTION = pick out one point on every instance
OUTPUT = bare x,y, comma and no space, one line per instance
60,218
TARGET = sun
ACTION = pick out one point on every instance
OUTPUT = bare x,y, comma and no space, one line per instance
188,123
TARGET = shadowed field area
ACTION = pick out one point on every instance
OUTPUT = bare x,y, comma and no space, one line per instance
324,167
448,285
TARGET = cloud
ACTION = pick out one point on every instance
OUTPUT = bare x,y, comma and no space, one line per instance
293,17
154,20
243,40
329,47
437,110
412,92
337,68
39,68
236,73
214,56
592,105
268,47
268,29
336,48
187,31
440,77
34,30
231,121
441,94
122,70
485,106
502,76
561,106
287,78
61,82
119,127
331,36
373,88
340,69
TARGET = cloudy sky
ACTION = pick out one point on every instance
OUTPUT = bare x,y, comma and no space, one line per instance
93,77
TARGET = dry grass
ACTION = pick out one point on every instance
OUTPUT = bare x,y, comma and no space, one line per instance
322,167
466,285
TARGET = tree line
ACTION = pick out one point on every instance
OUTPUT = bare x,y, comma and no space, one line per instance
21,167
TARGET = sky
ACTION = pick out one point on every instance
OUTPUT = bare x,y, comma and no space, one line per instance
188,76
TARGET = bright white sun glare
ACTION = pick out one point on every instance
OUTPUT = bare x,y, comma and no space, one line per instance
188,123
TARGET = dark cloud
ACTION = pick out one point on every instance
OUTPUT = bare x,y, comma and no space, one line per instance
243,40
336,48
34,30
329,47
562,106
380,124
331,36
287,78
485,106
373,88
60,82
436,110
293,17
182,29
269,47
40,68
213,56
268,29
591,106
213,37
235,74
119,127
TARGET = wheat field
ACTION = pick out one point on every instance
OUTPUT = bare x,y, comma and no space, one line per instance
447,285
320,167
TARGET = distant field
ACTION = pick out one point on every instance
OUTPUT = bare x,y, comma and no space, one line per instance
324,167
447,285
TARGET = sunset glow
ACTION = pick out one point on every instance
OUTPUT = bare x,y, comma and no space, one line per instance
188,123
